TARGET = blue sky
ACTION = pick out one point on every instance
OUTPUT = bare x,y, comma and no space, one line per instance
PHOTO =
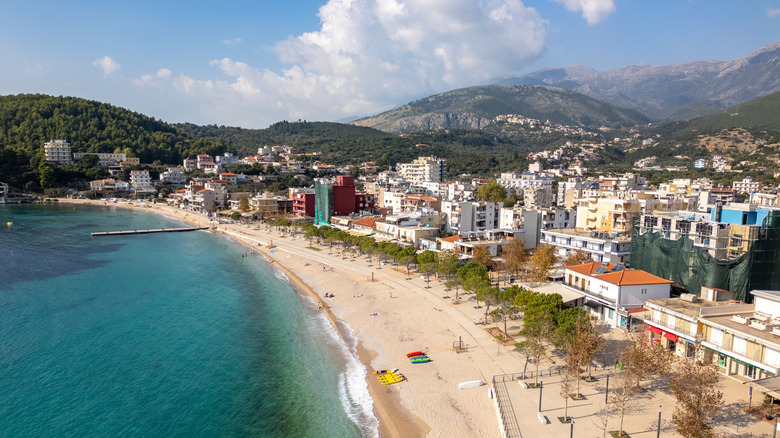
253,63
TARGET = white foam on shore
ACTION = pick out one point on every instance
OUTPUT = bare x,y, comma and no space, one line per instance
352,385
281,275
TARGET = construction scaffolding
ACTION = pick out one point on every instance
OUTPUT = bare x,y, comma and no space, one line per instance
691,266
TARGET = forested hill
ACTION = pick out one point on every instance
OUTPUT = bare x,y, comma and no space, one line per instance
339,143
27,121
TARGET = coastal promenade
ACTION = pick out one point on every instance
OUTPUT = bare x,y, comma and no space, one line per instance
391,314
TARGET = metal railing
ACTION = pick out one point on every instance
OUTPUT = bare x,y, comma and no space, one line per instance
507,412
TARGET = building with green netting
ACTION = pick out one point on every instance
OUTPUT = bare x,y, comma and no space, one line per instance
691,266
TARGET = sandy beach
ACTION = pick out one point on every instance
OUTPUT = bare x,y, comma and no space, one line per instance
390,315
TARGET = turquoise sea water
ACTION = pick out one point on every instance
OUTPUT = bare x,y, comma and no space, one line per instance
170,334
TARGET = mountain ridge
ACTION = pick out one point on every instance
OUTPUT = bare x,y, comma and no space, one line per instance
477,107
661,91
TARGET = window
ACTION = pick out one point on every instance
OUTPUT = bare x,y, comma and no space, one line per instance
611,313
750,371
716,337
671,321
772,357
740,345
657,316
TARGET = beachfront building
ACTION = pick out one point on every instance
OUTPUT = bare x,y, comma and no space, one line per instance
530,222
104,159
220,189
423,169
202,201
406,229
174,176
302,201
339,198
58,152
742,340
602,247
613,293
471,218
264,205
140,181
108,185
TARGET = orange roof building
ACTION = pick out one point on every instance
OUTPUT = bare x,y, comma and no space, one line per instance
611,292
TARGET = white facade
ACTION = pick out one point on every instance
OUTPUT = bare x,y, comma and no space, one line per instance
610,291
104,160
174,175
601,247
467,218
423,169
747,185
141,181
58,152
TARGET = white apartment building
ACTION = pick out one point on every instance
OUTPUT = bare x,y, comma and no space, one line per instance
174,175
611,292
602,247
423,169
220,192
104,160
533,221
140,181
539,197
190,164
526,180
460,192
471,218
108,185
747,185
58,152
569,192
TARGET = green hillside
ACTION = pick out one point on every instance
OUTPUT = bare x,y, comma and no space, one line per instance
476,107
761,113
28,121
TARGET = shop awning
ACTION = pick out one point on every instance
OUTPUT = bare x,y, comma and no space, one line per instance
655,330
670,336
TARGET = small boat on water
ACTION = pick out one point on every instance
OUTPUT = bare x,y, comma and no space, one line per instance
415,353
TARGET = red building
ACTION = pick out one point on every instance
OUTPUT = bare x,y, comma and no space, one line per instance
344,196
302,201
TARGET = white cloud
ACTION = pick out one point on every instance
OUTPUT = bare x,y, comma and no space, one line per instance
230,41
592,10
370,55
155,80
108,65
771,12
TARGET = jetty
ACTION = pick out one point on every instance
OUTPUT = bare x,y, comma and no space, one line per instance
157,230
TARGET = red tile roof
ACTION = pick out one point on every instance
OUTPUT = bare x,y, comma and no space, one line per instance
451,239
624,277
589,268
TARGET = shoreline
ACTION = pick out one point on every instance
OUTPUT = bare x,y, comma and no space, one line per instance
393,419
415,316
